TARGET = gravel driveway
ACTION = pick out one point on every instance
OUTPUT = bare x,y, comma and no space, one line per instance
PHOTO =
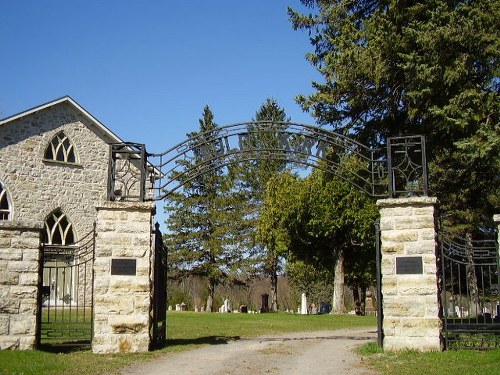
318,353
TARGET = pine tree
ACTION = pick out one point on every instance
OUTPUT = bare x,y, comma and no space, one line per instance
415,67
203,236
258,173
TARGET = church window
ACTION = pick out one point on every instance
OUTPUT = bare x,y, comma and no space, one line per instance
58,229
61,149
4,204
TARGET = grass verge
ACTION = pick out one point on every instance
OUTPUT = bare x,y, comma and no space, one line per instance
408,362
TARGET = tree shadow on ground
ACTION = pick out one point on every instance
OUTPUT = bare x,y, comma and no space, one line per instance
207,340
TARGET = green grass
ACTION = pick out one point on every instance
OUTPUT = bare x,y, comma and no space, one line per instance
407,362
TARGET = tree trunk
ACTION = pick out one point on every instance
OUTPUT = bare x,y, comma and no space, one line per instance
362,296
274,285
338,302
211,294
470,268
357,300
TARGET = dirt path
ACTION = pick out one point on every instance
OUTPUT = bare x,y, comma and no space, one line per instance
319,353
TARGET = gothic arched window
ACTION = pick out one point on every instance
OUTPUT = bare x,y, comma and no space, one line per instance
58,230
4,204
61,149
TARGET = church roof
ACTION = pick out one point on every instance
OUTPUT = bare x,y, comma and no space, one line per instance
99,127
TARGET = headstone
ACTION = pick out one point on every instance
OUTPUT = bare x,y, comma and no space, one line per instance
244,309
227,306
170,308
324,308
314,310
183,307
303,304
178,307
369,308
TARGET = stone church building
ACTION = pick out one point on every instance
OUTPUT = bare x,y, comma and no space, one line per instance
53,175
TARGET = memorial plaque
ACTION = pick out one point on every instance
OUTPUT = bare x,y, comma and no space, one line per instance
409,266
125,267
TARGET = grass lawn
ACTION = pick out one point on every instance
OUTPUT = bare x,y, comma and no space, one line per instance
187,330
461,362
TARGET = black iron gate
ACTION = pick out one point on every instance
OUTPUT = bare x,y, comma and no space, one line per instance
470,299
159,292
67,293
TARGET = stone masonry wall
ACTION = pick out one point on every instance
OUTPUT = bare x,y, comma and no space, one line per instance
19,276
410,300
122,302
36,187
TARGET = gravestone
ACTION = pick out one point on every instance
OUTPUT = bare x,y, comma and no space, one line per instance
303,304
369,307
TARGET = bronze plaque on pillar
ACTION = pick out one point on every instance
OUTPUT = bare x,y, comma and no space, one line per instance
409,266
124,267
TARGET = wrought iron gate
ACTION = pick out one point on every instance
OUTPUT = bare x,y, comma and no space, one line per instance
67,293
159,292
470,298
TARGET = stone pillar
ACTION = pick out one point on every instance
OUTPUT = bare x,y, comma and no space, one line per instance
409,274
122,277
496,219
19,280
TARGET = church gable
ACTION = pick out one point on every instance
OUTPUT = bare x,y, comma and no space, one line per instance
55,155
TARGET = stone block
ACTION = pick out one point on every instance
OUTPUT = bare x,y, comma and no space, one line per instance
28,279
414,222
10,254
4,241
23,266
9,278
398,236
393,247
422,344
24,292
9,306
23,325
31,255
427,234
27,342
9,343
420,247
126,284
417,285
4,324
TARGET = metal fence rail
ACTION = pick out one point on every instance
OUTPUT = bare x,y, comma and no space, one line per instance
66,314
470,299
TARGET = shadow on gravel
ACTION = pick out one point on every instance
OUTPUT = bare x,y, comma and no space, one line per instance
208,340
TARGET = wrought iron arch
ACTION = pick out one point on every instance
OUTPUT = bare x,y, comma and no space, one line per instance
398,168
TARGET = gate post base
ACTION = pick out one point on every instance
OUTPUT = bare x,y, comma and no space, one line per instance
122,269
409,274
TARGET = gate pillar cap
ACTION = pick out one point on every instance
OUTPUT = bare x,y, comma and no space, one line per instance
407,201
139,206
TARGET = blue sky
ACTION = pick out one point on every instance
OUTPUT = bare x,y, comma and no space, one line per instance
146,69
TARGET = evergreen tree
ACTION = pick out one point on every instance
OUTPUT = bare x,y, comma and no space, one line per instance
203,236
253,175
415,67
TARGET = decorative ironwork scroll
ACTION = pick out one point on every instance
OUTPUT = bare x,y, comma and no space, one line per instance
127,171
380,172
